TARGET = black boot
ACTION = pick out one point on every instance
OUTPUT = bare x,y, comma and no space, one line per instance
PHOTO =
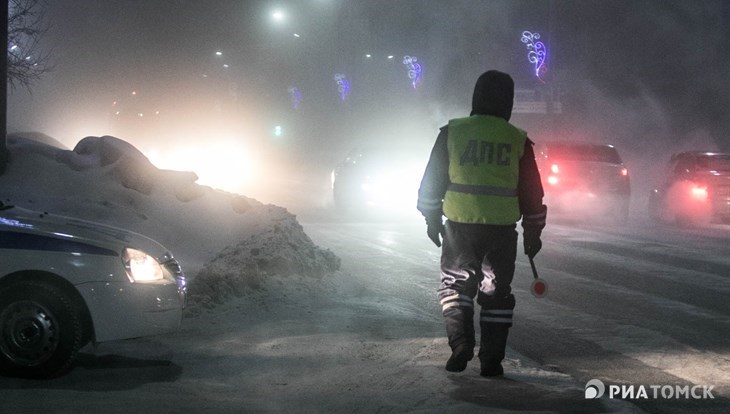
460,331
492,349
460,356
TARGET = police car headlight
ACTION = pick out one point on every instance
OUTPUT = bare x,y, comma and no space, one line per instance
143,268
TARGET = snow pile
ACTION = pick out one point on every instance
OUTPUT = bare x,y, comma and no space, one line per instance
278,251
128,165
238,242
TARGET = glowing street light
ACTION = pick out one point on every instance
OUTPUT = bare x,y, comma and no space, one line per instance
278,16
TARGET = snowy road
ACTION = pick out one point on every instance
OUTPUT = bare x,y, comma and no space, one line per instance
641,305
634,306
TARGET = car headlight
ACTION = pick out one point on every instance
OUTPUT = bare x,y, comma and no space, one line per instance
143,268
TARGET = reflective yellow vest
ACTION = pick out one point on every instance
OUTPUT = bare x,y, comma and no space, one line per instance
484,162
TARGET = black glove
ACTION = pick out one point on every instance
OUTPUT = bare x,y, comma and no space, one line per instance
532,242
435,231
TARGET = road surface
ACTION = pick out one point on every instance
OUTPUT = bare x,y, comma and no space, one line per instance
628,306
643,304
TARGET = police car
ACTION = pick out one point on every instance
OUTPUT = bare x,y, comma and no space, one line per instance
66,282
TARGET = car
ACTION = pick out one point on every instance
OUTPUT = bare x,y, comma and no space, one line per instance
66,282
695,189
379,178
584,179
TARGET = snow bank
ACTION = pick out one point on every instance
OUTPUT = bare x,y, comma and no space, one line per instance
280,250
238,242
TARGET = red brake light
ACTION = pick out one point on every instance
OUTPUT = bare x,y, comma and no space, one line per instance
699,193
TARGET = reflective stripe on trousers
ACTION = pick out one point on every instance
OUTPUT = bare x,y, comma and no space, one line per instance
496,316
479,260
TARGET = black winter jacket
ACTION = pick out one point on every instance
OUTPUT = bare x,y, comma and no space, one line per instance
493,95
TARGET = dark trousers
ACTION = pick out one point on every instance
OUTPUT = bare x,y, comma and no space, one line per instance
478,260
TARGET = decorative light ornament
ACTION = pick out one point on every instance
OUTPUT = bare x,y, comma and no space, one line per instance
414,70
537,53
343,85
296,96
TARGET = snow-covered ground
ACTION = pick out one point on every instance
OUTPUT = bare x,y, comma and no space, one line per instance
273,325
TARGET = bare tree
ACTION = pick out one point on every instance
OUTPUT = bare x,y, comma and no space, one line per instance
25,61
27,25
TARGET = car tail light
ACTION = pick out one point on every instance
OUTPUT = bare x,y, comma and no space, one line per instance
699,192
552,179
625,172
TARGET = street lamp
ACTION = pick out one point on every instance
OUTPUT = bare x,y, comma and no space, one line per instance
278,16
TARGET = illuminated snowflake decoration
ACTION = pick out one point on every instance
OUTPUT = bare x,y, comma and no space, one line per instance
343,85
296,96
537,53
414,69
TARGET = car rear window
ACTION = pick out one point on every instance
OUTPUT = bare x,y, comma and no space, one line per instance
577,152
719,163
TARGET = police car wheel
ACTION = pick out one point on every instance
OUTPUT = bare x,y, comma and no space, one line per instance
41,331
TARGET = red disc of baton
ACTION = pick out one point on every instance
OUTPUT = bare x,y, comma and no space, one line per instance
539,288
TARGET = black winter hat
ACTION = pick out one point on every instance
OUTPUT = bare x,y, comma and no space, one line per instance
494,95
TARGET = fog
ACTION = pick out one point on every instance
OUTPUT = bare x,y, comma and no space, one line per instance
649,77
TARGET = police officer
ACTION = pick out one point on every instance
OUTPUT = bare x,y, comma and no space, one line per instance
483,177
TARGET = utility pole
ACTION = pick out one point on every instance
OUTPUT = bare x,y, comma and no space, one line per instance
4,89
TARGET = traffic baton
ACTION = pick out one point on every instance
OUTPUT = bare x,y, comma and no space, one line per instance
539,287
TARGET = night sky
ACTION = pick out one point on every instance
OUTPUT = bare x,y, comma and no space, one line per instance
642,74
